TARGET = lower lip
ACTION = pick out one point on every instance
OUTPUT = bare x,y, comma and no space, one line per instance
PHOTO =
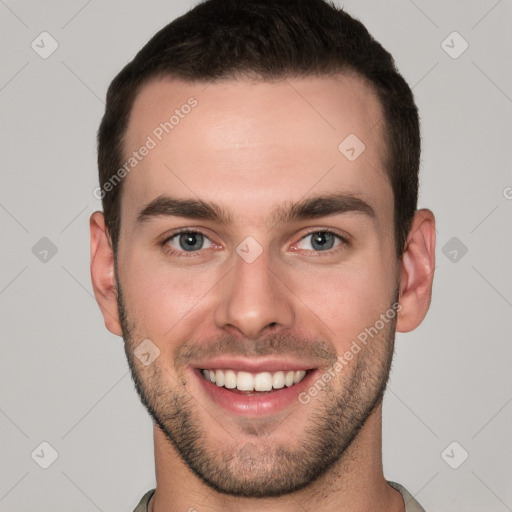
257,404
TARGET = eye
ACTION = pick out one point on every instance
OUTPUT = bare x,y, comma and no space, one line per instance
189,241
319,241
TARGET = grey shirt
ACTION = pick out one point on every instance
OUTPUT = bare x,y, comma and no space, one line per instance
411,505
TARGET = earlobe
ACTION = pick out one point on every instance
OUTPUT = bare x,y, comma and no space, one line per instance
417,271
102,273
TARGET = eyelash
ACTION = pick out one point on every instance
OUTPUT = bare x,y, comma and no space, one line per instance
344,242
169,250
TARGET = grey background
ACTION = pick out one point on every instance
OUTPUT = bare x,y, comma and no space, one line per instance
64,378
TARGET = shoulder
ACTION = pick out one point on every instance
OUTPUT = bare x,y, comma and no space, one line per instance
411,505
143,503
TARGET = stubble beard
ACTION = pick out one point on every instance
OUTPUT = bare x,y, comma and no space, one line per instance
260,467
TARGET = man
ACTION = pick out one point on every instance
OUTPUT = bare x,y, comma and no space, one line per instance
259,247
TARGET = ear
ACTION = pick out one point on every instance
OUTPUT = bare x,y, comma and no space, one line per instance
102,273
417,271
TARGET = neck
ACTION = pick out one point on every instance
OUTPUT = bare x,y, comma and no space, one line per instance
356,483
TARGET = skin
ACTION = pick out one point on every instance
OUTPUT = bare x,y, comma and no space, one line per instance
252,148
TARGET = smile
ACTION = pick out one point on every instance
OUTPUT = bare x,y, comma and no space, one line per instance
246,381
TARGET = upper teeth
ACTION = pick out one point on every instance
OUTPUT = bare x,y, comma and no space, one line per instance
245,381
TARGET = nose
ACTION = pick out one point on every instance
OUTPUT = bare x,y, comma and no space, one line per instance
254,300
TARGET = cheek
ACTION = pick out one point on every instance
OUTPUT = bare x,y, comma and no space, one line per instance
347,299
163,300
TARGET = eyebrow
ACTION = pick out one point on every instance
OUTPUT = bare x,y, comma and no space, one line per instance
190,208
309,208
321,206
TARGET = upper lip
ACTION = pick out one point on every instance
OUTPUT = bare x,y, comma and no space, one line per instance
254,364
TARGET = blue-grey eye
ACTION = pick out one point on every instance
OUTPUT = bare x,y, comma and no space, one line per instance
319,241
189,241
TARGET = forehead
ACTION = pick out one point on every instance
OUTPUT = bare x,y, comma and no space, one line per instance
253,145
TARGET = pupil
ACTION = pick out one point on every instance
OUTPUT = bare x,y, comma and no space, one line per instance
191,241
322,240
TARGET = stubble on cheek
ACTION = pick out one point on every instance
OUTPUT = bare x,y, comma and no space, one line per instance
253,462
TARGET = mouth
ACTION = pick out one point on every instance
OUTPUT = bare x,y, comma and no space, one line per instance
254,388
250,383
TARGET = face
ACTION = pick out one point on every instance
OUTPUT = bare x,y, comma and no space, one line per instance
255,251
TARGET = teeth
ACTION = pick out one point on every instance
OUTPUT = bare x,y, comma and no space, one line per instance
297,377
263,381
230,379
278,380
245,381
